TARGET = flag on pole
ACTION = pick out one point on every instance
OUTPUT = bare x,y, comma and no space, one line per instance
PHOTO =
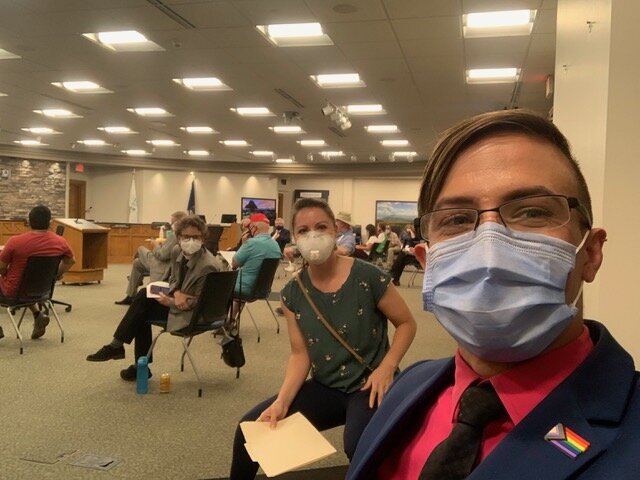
191,206
133,200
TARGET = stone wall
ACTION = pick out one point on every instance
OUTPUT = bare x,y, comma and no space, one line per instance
26,183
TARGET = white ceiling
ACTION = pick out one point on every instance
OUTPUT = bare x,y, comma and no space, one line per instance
410,53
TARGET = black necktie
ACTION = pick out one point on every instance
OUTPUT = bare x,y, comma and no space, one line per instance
454,457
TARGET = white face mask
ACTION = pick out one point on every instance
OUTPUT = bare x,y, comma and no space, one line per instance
190,246
316,247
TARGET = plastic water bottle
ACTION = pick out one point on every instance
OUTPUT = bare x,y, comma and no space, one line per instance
142,375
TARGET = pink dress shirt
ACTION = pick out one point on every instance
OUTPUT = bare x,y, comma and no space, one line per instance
520,389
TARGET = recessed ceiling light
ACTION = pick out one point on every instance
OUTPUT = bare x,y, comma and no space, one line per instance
332,153
312,143
287,129
262,153
117,130
136,152
198,153
199,130
57,113
81,86
295,34
497,24
284,160
123,41
252,111
338,80
162,143
29,143
40,130
202,83
372,109
493,75
394,143
404,154
3,94
7,55
381,128
150,112
93,142
234,143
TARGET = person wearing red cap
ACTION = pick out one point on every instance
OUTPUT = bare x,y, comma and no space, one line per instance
253,251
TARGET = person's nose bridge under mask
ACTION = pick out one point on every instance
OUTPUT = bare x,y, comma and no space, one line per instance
490,216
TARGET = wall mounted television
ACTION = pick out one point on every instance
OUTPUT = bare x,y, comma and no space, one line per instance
251,205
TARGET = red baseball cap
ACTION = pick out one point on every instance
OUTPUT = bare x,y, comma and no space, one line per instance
258,217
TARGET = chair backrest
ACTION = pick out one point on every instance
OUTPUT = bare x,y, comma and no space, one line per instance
215,299
38,278
214,232
60,230
266,274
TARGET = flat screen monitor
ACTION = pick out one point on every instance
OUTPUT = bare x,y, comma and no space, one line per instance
228,218
251,205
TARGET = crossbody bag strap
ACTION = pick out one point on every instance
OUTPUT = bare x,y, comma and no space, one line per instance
328,326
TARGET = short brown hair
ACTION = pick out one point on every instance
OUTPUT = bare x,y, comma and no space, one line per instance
302,203
192,221
453,141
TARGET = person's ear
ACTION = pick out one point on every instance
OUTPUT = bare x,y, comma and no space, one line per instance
592,258
420,251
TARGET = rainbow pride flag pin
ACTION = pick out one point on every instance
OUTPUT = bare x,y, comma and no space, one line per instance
567,441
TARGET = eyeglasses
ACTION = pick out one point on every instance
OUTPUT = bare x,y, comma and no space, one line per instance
538,213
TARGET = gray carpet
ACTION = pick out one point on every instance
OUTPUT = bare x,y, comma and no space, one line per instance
55,407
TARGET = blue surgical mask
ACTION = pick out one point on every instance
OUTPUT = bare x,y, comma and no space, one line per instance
499,293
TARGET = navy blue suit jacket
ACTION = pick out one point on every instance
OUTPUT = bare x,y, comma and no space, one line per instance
600,401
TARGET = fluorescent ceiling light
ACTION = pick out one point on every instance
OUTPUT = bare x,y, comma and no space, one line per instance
3,94
162,143
81,86
287,129
40,130
234,143
394,143
295,34
374,109
284,160
493,75
150,112
198,153
338,80
312,143
202,83
117,130
497,24
93,142
262,153
57,113
381,128
29,143
404,154
123,41
252,111
332,153
135,152
6,55
198,130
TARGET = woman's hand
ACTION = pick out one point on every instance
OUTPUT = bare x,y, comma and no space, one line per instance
275,412
379,382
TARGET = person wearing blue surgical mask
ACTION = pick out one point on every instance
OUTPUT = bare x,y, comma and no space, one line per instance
534,390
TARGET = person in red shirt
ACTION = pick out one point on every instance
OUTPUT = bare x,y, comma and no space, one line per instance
37,242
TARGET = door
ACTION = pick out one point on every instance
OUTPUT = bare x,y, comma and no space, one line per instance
77,191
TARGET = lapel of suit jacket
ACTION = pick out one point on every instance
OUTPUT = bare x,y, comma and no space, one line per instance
591,402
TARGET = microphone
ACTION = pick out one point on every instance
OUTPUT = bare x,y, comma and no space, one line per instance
84,213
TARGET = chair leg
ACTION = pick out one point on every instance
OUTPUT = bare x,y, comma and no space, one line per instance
254,321
182,356
273,314
15,327
49,305
153,344
185,346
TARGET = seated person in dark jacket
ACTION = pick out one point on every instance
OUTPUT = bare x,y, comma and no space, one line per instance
407,255
281,234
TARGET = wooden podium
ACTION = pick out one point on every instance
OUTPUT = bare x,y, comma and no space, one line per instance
89,244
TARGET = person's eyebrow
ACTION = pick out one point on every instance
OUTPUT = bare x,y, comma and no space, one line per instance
468,201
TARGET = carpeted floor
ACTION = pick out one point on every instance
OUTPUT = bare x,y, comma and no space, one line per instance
55,407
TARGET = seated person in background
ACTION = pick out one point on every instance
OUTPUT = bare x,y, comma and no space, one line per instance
395,245
534,390
252,252
154,262
281,234
190,264
345,237
407,255
38,242
244,235
363,250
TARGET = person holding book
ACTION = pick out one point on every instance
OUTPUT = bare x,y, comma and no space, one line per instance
190,264
347,353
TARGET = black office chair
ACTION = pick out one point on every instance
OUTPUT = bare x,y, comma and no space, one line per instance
261,291
210,315
36,287
68,306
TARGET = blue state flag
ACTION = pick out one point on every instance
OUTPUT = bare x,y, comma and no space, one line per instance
191,205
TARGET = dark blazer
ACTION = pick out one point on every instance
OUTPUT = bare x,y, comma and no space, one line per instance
600,401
